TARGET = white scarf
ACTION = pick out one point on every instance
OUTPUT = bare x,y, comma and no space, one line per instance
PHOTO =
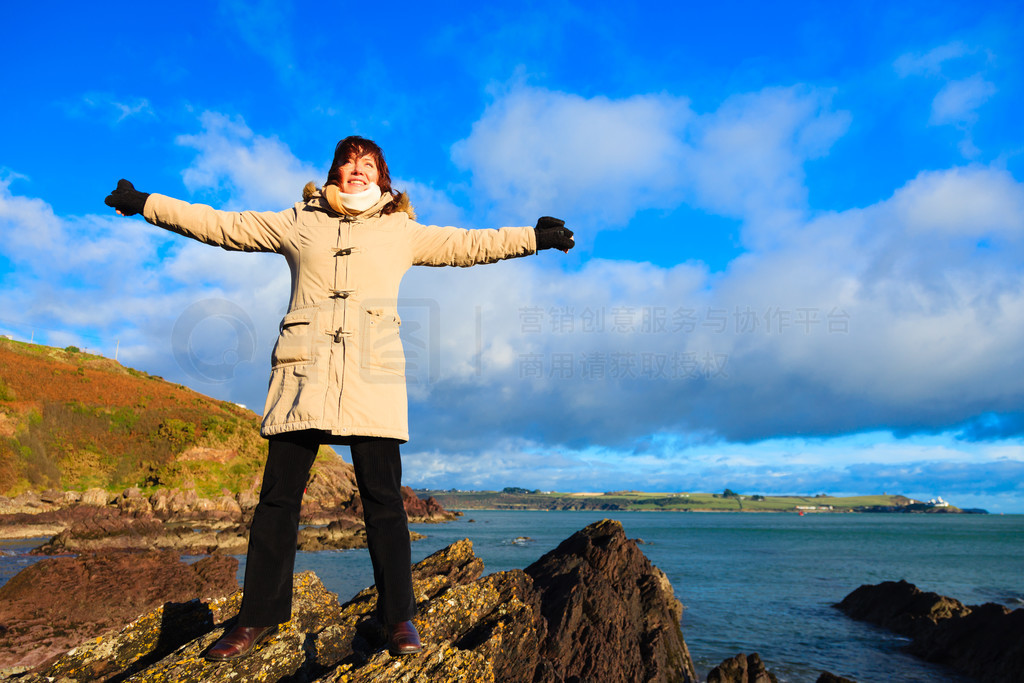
360,201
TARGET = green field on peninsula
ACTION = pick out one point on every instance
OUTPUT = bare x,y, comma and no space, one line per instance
514,498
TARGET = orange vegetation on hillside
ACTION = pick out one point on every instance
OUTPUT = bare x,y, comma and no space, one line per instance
72,420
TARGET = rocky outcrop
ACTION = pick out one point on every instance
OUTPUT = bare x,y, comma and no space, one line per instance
828,677
901,607
115,533
750,669
597,587
428,510
985,642
31,503
340,534
51,522
508,626
330,493
57,603
184,521
742,669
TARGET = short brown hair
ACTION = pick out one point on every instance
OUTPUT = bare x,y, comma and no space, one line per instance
354,147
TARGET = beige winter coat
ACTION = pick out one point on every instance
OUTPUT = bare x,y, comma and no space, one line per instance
338,364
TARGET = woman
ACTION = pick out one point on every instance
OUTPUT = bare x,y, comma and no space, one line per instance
337,370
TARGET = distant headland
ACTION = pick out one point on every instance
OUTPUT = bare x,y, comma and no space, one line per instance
517,498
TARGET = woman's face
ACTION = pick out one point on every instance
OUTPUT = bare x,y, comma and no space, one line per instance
358,173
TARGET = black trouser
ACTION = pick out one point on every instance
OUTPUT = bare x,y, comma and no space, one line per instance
273,536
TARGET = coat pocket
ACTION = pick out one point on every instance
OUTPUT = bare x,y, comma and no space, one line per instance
381,344
295,342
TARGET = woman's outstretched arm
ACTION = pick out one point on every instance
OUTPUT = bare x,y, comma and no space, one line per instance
436,246
233,230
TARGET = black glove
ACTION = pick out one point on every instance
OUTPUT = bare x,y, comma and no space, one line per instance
552,233
126,199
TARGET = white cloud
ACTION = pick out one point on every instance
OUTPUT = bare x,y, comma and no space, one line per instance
116,108
902,315
139,106
958,101
868,318
930,63
975,202
106,283
536,151
60,249
905,315
29,222
963,476
432,206
746,158
258,172
601,161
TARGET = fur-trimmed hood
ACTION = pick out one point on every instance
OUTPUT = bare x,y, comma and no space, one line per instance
312,191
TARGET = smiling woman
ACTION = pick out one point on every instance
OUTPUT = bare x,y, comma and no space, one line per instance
337,370
359,175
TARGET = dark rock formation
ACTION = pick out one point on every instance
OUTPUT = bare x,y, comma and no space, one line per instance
182,521
121,526
330,493
340,534
169,519
985,642
428,510
32,503
43,523
827,677
750,669
593,610
742,669
921,508
107,531
901,607
597,587
58,602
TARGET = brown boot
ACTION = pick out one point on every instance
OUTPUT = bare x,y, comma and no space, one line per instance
239,643
403,639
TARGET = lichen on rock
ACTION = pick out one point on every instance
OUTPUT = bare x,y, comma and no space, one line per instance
593,609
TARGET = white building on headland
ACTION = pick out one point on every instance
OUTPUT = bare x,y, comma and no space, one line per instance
937,502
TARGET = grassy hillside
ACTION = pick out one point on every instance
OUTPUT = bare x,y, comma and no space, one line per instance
71,420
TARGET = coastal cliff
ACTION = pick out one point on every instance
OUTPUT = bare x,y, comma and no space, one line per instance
594,608
100,457
80,428
74,421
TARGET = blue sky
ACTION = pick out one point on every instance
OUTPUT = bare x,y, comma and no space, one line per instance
799,227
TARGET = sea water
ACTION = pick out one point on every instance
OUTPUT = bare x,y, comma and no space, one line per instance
763,583
749,582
